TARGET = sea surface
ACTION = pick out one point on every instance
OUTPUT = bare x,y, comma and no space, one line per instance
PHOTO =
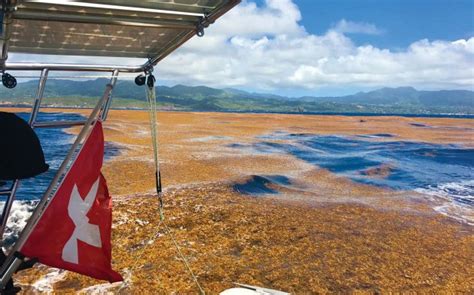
361,114
442,173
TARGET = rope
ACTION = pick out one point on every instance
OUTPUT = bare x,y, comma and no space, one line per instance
134,266
178,250
147,244
151,97
185,260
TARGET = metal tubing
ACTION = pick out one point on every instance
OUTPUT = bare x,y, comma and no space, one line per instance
7,208
152,62
125,69
211,18
14,263
16,66
207,21
108,103
5,271
116,7
62,169
34,113
57,124
6,32
116,20
39,97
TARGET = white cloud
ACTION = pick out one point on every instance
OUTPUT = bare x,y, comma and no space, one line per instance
266,48
344,26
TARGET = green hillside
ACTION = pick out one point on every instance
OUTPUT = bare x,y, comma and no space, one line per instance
200,98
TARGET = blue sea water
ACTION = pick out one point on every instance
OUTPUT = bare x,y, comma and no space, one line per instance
56,143
412,164
442,171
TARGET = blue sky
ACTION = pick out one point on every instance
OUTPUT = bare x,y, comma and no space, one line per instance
337,47
326,47
401,22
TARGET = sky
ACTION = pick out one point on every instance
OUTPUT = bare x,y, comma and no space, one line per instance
328,47
397,23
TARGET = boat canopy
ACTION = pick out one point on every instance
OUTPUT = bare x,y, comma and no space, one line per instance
149,29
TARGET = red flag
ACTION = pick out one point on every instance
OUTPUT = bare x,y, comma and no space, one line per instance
74,230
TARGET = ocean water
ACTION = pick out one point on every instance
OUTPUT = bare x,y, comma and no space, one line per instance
443,173
56,143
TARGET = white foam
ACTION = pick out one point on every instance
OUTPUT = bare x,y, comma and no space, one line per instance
46,283
141,222
20,212
209,138
451,199
109,288
55,163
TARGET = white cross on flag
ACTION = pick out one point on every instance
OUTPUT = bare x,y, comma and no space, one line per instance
74,230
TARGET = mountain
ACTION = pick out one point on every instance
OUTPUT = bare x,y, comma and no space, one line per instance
404,96
201,98
387,96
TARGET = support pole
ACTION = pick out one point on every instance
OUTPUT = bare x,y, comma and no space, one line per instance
108,103
39,97
8,207
34,113
12,261
52,16
59,124
23,66
11,269
8,6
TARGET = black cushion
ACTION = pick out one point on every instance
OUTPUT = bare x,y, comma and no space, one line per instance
21,155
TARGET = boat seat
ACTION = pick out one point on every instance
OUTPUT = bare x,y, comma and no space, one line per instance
21,155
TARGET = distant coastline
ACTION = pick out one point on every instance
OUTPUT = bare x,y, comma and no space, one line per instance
348,114
127,95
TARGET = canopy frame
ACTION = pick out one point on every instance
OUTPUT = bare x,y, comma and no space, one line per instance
100,112
192,23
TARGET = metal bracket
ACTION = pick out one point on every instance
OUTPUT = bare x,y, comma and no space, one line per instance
203,23
4,7
200,30
7,6
147,67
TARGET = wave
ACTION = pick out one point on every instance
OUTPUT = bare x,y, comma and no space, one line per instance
453,199
20,212
441,172
262,185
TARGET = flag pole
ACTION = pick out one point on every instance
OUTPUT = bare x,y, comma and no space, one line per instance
14,259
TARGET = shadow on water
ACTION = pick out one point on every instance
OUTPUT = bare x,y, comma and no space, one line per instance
259,185
442,127
419,125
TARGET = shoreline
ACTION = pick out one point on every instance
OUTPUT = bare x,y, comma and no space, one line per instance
348,114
